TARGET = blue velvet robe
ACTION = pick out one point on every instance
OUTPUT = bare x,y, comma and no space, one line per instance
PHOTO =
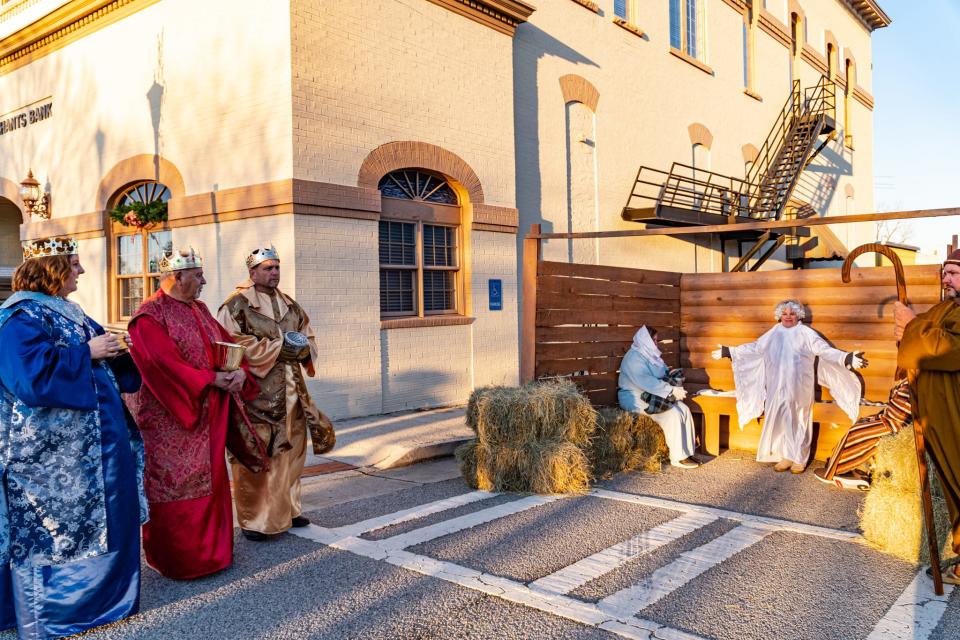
70,470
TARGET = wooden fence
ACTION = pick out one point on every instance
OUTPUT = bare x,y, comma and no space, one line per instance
584,317
579,320
734,308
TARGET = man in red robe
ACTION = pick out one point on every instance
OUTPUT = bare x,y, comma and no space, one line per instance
182,410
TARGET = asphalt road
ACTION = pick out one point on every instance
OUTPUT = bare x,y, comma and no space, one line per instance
730,550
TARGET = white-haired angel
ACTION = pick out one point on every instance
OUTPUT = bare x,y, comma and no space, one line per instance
774,377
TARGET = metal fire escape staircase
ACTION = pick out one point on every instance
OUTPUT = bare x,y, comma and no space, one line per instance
691,196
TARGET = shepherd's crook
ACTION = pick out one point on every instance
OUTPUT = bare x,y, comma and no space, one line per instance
925,497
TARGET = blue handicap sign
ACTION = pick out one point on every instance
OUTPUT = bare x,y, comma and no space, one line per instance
496,295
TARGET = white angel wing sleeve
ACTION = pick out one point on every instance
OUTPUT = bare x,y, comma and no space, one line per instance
843,384
748,378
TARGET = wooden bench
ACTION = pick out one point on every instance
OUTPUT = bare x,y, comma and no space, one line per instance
830,424
735,308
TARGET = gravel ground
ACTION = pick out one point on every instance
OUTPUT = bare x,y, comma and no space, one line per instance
788,586
734,481
449,514
636,570
529,545
329,594
409,496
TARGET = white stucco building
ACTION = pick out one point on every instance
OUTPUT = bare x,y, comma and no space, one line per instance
392,150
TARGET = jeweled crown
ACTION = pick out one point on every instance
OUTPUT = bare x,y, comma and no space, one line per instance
262,255
58,246
181,259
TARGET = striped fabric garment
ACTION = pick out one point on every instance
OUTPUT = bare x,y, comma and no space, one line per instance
860,443
656,404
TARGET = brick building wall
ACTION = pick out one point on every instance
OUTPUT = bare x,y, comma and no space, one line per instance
338,286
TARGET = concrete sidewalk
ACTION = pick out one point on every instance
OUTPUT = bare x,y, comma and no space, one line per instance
395,439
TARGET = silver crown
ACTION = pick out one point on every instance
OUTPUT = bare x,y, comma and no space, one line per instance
179,260
262,255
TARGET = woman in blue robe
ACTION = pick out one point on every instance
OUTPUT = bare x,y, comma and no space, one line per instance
70,458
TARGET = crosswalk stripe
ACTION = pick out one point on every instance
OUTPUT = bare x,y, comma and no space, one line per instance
757,522
425,534
413,513
689,565
915,614
592,567
560,605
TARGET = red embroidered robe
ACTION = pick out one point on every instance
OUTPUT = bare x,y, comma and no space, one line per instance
183,419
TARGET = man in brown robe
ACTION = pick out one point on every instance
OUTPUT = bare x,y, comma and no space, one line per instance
930,348
259,316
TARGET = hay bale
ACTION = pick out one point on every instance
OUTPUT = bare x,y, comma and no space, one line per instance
473,465
545,437
529,439
625,441
892,517
553,411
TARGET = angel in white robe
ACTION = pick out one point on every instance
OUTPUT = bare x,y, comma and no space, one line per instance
774,376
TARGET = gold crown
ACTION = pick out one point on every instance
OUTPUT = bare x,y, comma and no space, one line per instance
59,246
179,260
262,255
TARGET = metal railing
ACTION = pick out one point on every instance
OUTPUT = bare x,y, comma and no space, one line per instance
693,188
768,198
760,195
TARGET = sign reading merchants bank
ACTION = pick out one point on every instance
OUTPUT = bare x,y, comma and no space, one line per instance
25,116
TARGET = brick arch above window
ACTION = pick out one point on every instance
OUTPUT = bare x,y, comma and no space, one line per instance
578,89
137,169
848,57
403,155
794,7
699,134
750,153
829,38
11,191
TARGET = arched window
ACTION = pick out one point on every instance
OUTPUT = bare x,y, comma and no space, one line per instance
10,252
420,245
831,61
796,45
417,185
749,45
701,164
136,253
850,80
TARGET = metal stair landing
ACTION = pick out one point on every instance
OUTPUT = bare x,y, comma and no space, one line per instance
689,196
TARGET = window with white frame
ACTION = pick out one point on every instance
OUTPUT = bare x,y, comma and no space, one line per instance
419,246
136,252
687,25
625,10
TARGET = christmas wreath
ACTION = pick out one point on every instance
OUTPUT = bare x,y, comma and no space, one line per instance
140,214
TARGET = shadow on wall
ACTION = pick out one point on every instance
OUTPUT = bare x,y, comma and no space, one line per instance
415,386
531,45
818,183
418,388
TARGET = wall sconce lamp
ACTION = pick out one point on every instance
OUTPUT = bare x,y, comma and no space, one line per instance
36,201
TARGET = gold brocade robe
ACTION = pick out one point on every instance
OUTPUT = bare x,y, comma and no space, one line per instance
931,348
283,413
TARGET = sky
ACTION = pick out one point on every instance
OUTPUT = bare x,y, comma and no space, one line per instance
916,88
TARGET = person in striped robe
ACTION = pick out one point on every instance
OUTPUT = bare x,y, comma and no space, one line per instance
848,466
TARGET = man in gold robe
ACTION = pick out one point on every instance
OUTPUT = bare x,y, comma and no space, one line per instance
280,346
930,349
